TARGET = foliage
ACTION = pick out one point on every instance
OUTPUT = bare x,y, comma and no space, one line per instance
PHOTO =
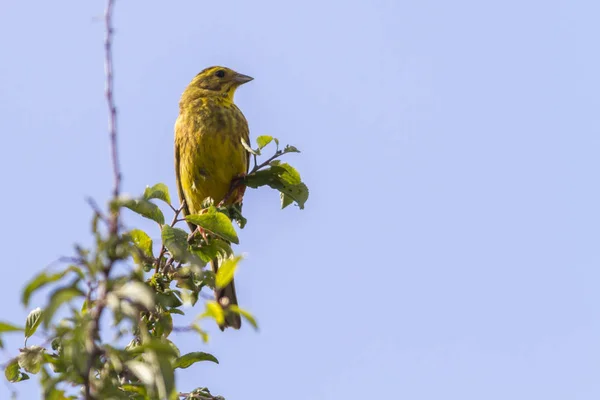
106,327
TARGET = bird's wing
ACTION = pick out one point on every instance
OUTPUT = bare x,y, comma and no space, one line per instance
186,209
246,136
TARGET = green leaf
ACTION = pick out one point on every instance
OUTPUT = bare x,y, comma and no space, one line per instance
57,298
168,299
202,393
215,311
137,293
284,178
144,208
143,371
190,297
31,359
165,349
142,241
6,327
203,334
216,223
288,174
192,358
40,281
175,240
247,316
286,200
250,149
134,389
215,248
263,140
298,193
166,382
159,191
11,372
33,321
226,270
23,377
290,149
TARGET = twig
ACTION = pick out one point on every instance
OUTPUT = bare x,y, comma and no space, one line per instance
92,203
277,154
112,109
163,249
96,312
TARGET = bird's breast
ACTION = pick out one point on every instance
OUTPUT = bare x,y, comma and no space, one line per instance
211,152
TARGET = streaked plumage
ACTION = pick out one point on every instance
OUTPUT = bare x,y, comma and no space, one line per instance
208,149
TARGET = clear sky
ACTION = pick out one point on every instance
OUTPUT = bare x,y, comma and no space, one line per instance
449,249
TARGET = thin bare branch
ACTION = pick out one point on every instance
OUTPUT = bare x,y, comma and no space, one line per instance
112,109
113,223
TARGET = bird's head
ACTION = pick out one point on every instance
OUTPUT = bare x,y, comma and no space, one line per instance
219,81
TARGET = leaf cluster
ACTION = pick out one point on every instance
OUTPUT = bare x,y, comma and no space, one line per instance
106,325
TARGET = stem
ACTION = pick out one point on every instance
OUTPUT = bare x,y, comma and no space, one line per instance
113,223
278,153
112,109
163,249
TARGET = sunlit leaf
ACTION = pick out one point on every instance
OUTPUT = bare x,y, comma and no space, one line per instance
143,371
166,349
247,316
12,373
6,327
139,389
166,379
142,241
33,321
159,191
192,358
31,358
203,334
263,140
144,208
137,293
226,271
215,311
216,223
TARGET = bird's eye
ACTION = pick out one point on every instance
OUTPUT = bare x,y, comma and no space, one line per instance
220,73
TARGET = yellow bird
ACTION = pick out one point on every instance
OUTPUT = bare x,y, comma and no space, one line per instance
209,152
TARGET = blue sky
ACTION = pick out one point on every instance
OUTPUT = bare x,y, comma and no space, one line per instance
449,246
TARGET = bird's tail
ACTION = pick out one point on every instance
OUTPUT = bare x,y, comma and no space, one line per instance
225,297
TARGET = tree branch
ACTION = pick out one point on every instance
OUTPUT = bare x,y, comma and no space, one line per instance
112,109
113,222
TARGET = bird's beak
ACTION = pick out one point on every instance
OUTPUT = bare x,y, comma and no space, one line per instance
241,79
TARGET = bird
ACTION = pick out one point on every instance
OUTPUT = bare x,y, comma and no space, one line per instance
209,153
